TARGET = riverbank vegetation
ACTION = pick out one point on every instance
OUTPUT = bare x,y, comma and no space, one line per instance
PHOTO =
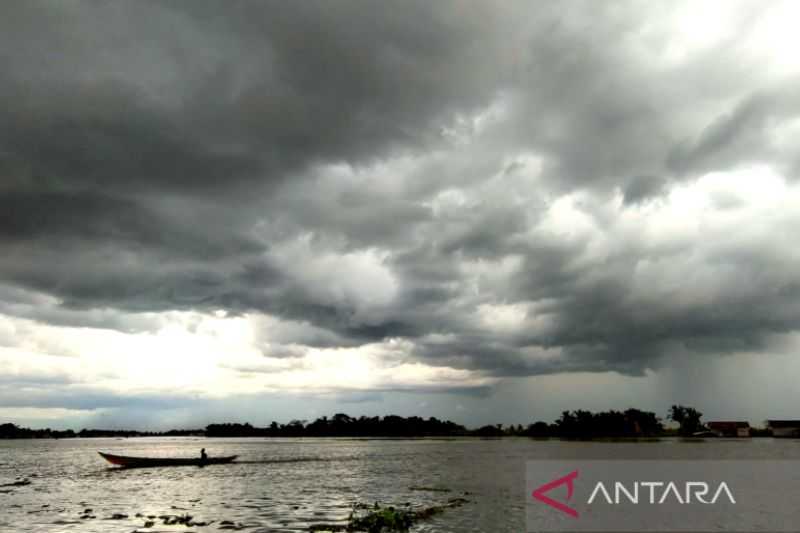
381,519
578,424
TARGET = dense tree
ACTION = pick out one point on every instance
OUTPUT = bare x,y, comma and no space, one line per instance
687,417
539,429
342,425
583,424
579,424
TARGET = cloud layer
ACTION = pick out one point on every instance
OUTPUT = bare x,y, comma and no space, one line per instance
435,195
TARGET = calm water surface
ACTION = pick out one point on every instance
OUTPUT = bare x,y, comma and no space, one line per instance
290,484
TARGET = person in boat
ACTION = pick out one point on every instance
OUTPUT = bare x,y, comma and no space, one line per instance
203,456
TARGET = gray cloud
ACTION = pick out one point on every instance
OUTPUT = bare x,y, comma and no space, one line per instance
85,398
365,172
742,134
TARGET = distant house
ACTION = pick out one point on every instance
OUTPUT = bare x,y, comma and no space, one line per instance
729,428
784,428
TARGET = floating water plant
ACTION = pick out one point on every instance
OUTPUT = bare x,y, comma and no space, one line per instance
388,519
430,489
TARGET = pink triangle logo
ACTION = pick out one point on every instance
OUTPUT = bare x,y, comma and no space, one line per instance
539,494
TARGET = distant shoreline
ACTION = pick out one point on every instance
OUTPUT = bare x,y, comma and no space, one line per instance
629,425
632,440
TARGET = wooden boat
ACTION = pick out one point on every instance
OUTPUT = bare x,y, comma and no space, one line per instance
142,462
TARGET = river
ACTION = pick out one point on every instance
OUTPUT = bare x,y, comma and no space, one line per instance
291,484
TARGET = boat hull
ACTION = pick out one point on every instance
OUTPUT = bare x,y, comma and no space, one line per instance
145,462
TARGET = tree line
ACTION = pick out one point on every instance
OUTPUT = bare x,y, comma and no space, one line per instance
12,431
578,424
343,425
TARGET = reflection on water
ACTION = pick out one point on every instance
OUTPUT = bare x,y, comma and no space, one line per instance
290,484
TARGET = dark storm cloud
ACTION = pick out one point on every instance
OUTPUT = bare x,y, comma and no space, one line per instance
104,133
247,96
742,134
161,156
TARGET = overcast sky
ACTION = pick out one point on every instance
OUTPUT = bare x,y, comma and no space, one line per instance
488,212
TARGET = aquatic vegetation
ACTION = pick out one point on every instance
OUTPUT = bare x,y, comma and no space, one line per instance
227,524
150,520
388,519
430,489
20,483
182,519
